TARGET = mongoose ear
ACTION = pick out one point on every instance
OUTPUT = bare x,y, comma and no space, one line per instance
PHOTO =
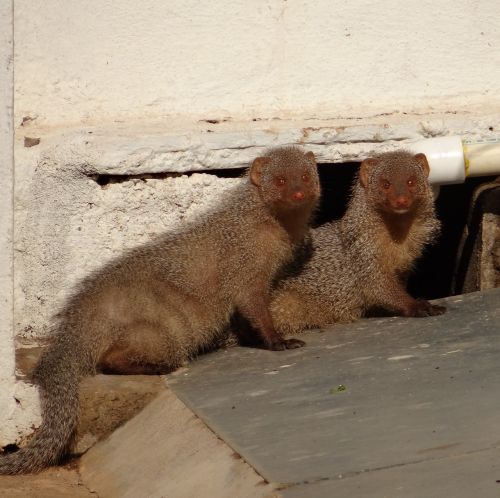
256,169
310,155
423,163
364,170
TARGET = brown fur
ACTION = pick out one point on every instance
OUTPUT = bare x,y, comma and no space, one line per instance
360,263
154,308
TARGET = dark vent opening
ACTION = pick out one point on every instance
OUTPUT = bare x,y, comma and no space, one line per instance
106,179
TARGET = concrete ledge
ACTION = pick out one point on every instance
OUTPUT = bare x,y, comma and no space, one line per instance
182,146
168,451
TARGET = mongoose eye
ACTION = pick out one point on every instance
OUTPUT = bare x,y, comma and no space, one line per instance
305,177
386,184
410,182
280,181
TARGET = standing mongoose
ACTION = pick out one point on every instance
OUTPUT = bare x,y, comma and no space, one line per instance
360,263
160,304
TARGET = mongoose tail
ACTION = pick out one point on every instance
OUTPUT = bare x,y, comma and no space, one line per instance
58,381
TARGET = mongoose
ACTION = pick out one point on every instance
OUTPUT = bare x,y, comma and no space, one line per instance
360,263
160,304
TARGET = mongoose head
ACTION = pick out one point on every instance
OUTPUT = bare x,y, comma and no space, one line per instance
287,178
395,182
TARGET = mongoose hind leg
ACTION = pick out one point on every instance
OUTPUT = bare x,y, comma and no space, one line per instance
144,349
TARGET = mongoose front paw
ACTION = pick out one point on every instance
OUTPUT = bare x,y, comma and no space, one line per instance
425,308
436,309
286,344
294,343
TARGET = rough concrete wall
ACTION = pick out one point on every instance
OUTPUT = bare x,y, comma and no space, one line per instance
6,189
72,225
95,60
14,396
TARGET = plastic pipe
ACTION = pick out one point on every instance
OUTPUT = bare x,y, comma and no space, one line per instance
482,158
452,159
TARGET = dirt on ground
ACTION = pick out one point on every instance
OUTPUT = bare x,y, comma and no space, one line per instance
52,483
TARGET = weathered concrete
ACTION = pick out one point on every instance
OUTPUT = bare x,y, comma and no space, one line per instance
70,225
15,397
168,451
6,204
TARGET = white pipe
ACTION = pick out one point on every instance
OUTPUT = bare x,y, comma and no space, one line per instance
451,160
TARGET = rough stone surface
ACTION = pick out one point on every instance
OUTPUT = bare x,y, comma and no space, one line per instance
168,451
490,251
7,403
83,225
478,264
184,145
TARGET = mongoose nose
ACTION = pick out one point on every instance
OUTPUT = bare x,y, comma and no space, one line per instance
298,196
402,201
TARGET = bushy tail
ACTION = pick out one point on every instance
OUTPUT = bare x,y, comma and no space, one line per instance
57,375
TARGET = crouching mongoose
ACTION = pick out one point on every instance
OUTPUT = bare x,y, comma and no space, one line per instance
154,308
360,263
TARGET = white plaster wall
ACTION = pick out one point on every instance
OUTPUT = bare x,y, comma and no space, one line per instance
127,87
90,61
18,401
6,192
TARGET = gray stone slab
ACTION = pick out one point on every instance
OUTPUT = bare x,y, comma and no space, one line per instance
465,476
416,390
